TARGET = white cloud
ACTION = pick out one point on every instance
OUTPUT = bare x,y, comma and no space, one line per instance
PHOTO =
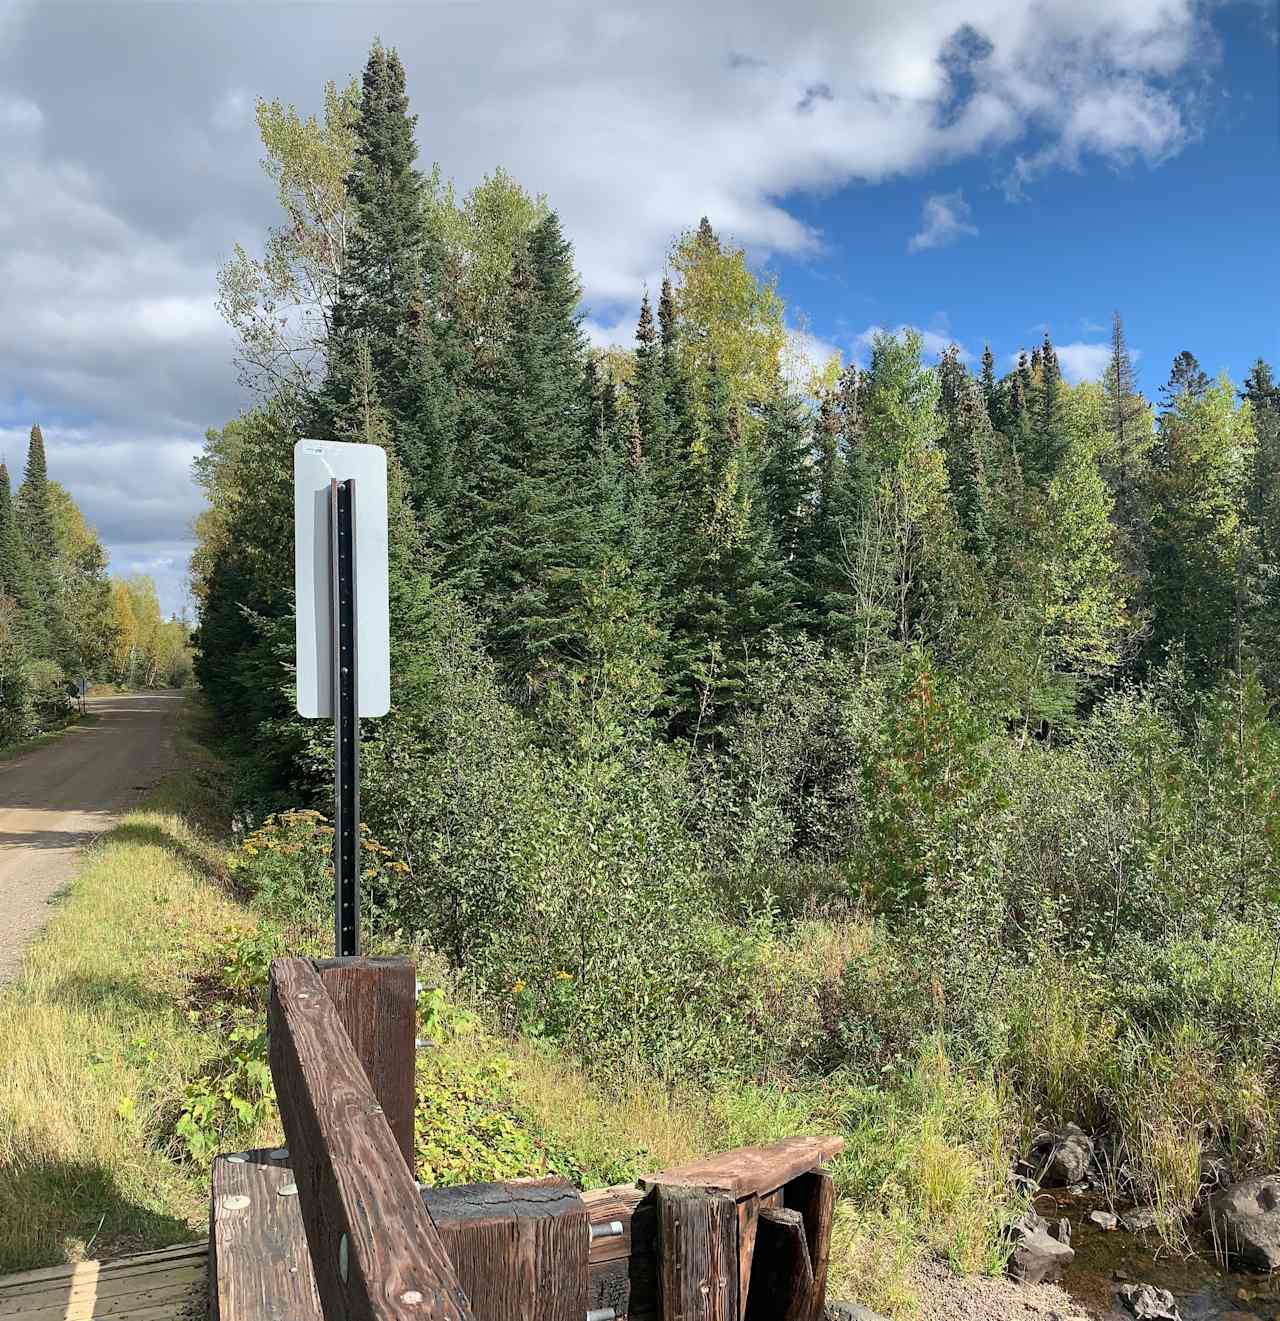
945,218
1083,362
120,195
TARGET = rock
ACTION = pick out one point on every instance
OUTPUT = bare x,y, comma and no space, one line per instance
1062,1230
851,1312
1038,1257
1148,1303
1140,1220
1103,1219
1062,1158
1245,1219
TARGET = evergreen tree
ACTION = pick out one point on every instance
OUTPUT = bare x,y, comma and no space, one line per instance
1198,480
1263,398
1128,423
35,510
988,382
1046,438
531,510
1185,377
787,477
15,566
966,441
648,389
388,297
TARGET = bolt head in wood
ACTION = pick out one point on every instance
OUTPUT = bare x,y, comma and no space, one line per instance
236,1202
343,1251
280,1153
411,1296
287,1190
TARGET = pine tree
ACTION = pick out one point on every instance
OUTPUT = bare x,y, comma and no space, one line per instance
35,510
1046,440
787,477
648,389
17,581
988,382
388,296
531,510
966,442
1185,377
1129,443
1263,398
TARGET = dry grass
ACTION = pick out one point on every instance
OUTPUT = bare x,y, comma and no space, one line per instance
95,1043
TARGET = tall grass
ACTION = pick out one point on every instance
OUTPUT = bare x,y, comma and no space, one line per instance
95,1042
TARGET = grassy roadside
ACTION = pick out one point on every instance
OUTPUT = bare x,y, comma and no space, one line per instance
128,1003
9,751
95,1040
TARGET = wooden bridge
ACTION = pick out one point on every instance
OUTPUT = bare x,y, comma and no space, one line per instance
334,1226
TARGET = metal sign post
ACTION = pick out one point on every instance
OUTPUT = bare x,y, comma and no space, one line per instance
343,631
346,722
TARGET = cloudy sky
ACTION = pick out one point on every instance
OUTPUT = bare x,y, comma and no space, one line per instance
981,169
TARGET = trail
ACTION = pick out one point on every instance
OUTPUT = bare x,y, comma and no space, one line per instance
55,799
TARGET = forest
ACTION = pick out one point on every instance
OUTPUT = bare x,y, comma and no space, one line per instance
888,747
62,619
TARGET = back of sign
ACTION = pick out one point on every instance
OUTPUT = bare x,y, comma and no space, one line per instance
315,464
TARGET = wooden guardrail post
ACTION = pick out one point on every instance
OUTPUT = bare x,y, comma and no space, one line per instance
376,1000
375,1252
697,1254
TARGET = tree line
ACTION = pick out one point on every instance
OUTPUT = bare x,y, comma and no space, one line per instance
62,619
647,521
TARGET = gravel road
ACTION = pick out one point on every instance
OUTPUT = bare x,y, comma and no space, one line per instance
55,799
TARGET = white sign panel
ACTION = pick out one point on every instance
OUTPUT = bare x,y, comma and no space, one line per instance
316,463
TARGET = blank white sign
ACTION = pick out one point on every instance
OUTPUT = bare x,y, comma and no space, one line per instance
315,464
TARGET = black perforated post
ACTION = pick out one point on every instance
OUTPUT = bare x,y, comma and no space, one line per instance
346,722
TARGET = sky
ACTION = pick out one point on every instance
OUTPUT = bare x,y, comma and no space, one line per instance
982,170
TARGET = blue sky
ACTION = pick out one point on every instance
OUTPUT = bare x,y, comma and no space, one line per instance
1051,159
1187,250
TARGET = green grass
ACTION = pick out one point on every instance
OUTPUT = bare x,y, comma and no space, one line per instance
96,1044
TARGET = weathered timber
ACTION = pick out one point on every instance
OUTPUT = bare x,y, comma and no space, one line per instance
624,1266
748,1170
127,1289
782,1277
376,1000
748,1222
697,1238
375,1252
814,1196
520,1249
259,1264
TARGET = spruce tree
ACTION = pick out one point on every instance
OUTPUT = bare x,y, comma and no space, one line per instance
531,509
988,382
11,548
35,509
1184,377
1046,439
389,294
1124,465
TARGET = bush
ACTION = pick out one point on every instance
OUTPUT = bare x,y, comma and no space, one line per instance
286,867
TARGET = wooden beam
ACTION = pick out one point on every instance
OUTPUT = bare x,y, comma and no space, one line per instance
751,1170
782,1278
697,1235
748,1223
813,1195
376,1000
259,1263
520,1249
375,1252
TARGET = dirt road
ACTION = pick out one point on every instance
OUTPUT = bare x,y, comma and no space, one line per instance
55,799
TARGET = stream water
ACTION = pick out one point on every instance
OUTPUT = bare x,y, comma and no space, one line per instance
1107,1258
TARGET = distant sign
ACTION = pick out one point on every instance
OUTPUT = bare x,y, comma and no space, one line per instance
316,464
